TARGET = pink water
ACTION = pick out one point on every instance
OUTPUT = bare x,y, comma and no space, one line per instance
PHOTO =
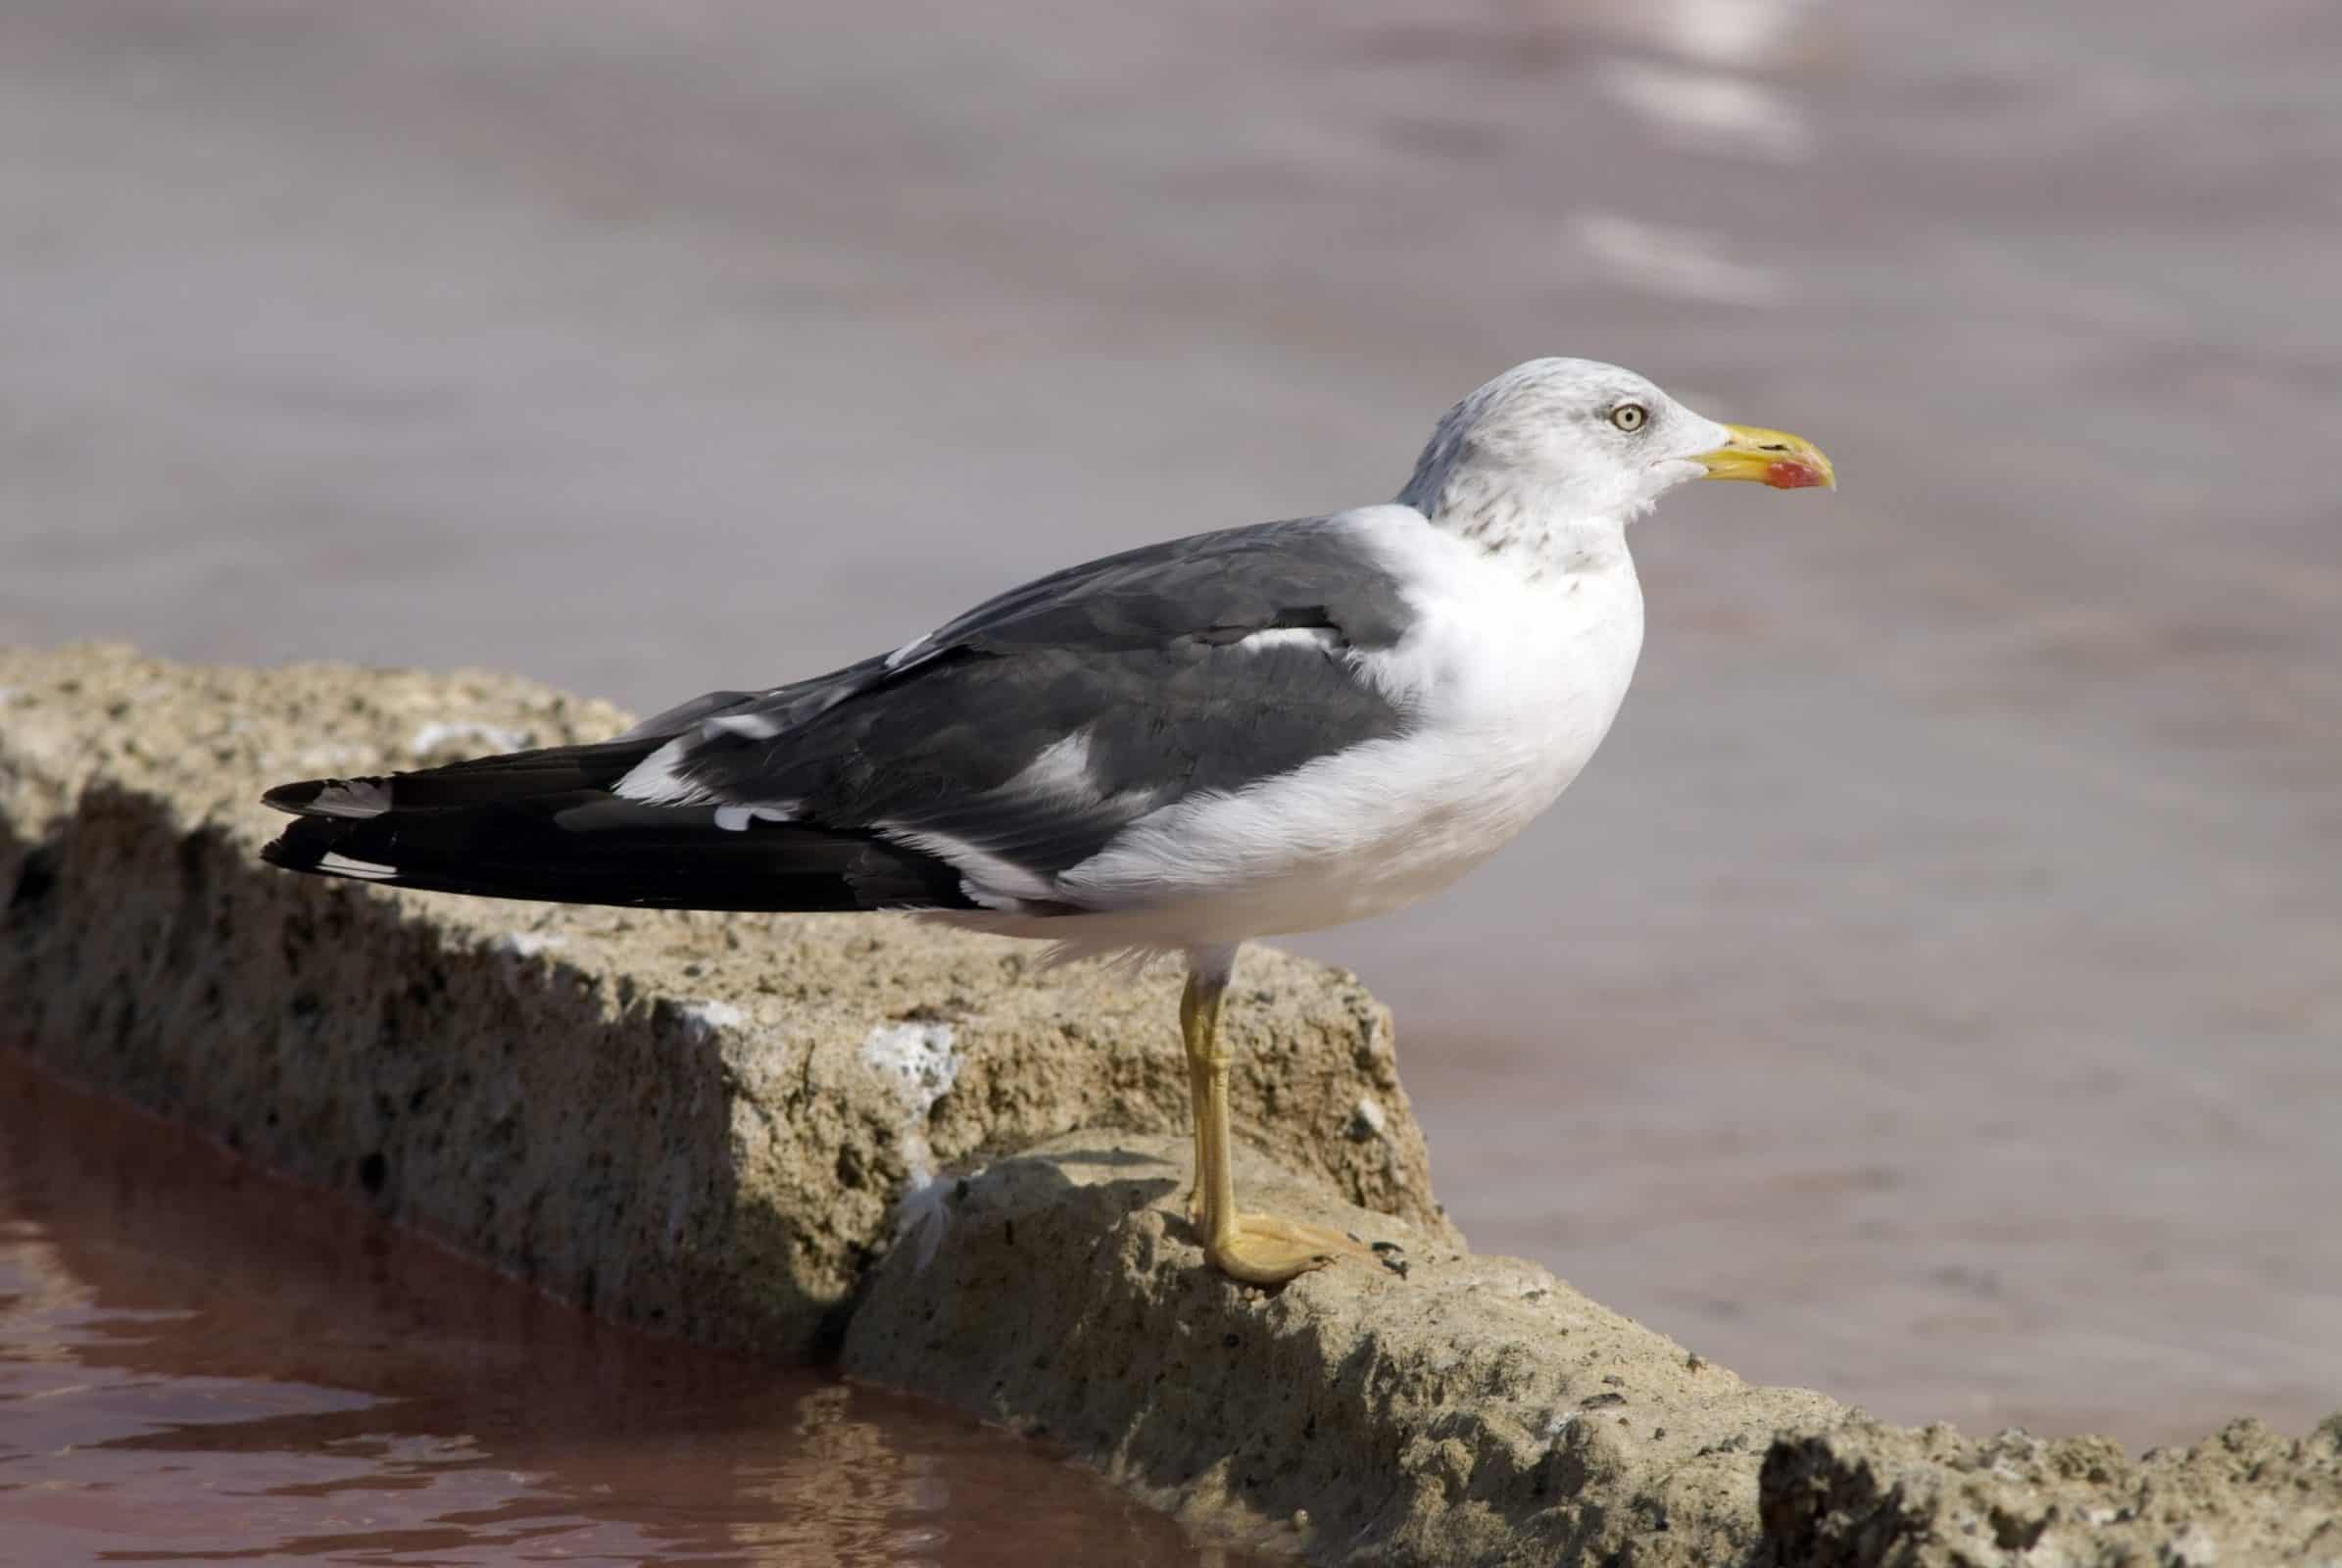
1930,993
202,1364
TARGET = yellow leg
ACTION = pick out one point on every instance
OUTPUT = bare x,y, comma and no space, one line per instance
1198,1094
1256,1249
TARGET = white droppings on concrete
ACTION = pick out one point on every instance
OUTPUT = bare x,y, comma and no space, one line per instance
708,1019
925,1212
922,1061
527,944
922,1057
1368,1119
436,734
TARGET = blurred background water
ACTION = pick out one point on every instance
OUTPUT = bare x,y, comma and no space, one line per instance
1930,993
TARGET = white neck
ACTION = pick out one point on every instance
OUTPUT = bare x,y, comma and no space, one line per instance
1545,528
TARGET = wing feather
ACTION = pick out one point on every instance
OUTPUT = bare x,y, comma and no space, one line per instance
1040,724
966,770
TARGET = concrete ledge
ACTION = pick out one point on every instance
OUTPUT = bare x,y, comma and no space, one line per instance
1481,1411
1863,1495
701,1124
1475,1411
718,1126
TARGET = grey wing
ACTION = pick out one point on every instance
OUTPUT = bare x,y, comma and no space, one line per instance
767,711
1024,735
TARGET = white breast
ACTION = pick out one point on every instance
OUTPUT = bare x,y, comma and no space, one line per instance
1510,673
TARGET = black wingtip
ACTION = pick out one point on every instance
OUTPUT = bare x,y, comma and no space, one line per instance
294,799
333,796
479,782
301,846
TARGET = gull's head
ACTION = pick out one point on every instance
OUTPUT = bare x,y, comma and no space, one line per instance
1574,440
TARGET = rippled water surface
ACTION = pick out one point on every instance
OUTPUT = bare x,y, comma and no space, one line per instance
199,1364
1930,993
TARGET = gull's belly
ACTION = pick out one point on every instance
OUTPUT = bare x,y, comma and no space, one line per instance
1483,767
1511,687
1468,796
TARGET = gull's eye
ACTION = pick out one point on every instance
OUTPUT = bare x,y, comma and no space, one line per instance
1629,416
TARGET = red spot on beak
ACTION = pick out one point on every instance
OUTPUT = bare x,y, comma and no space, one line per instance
1794,474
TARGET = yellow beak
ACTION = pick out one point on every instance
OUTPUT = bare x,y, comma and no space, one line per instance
1775,457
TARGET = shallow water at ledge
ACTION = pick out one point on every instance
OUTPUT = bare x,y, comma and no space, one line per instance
199,1363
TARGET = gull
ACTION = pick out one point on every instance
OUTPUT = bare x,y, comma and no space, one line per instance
1168,752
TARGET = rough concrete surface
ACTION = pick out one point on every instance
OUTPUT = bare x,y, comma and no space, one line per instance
1865,1494
1474,1411
710,1125
1480,1410
703,1123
